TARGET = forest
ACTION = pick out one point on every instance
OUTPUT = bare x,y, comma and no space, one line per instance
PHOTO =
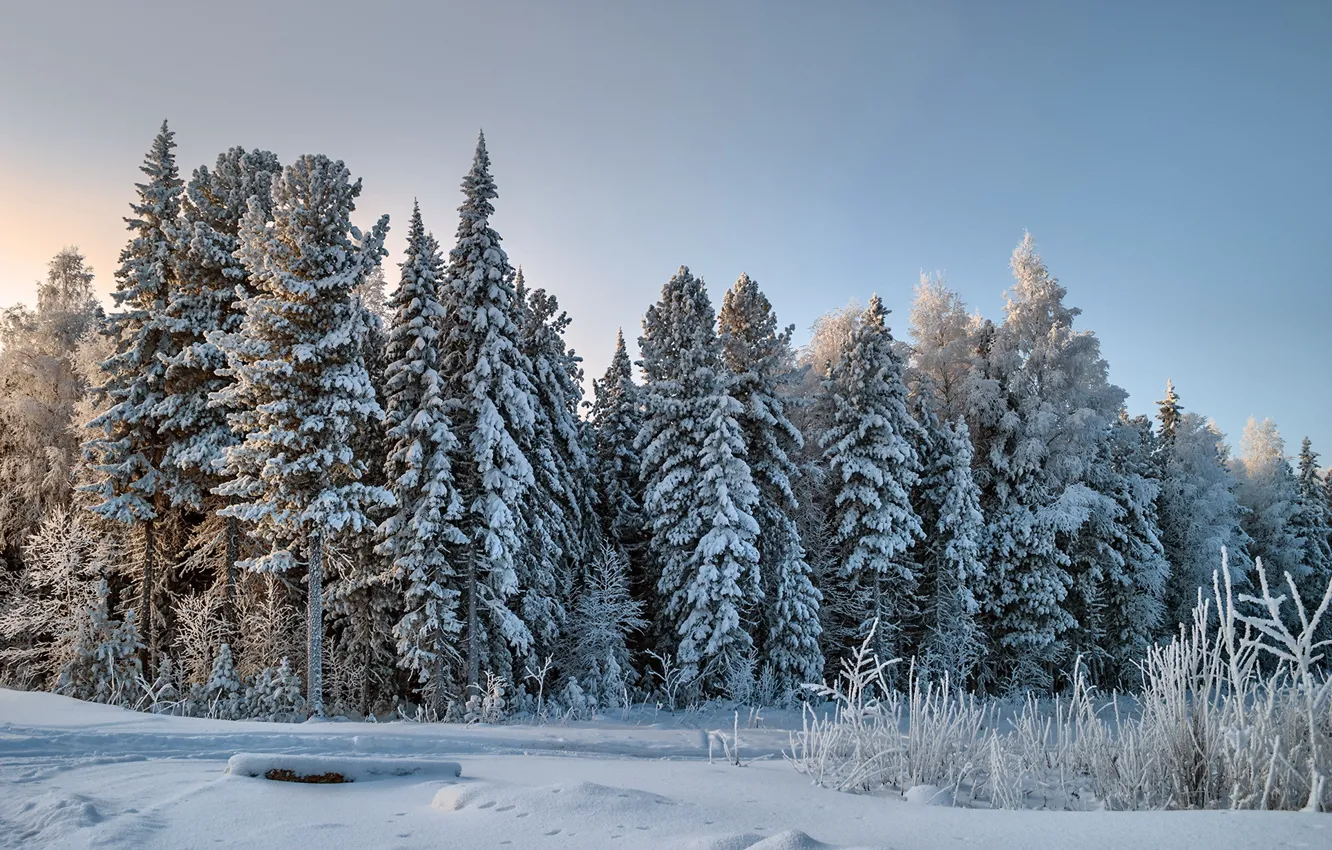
272,480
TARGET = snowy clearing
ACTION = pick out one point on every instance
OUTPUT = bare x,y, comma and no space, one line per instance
76,774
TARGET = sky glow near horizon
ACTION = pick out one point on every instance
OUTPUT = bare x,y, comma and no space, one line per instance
1170,159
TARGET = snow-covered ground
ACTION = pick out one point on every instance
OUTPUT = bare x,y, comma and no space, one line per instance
76,774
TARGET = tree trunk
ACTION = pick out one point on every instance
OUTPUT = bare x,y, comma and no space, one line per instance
233,551
149,651
314,645
473,651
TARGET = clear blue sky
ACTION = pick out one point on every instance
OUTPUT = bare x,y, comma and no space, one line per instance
1172,159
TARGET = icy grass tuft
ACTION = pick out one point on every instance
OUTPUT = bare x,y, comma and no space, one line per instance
1235,712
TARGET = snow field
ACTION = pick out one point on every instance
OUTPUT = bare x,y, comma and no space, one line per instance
81,775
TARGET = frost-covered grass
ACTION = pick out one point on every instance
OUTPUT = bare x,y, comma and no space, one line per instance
1234,712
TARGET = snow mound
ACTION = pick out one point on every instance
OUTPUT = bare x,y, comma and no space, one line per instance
928,795
351,769
583,798
791,839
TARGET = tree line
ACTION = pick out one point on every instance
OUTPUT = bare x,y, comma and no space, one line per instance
261,426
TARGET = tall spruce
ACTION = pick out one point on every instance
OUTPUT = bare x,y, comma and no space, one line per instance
760,358
1198,515
1041,407
699,492
207,301
421,537
1119,564
871,453
616,417
127,456
560,509
488,378
1313,522
951,572
300,391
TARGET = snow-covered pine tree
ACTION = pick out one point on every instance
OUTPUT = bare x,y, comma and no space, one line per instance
950,570
617,417
488,379
1198,514
40,384
300,389
760,358
421,537
206,301
1312,522
128,451
870,450
1041,405
699,492
560,506
1119,564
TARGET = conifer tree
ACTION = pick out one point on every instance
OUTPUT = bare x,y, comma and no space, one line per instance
1312,523
760,359
128,452
206,301
1198,515
699,492
1119,566
489,379
951,572
617,417
560,504
1168,415
1041,407
870,450
300,390
421,537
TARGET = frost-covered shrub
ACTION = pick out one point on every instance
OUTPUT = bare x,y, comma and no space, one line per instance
104,666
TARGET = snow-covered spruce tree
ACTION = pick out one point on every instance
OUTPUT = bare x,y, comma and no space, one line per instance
1119,564
363,600
40,385
559,517
1312,523
300,390
1167,417
699,493
127,453
759,356
1198,515
206,300
1041,405
1269,494
488,380
870,450
421,537
617,417
948,555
